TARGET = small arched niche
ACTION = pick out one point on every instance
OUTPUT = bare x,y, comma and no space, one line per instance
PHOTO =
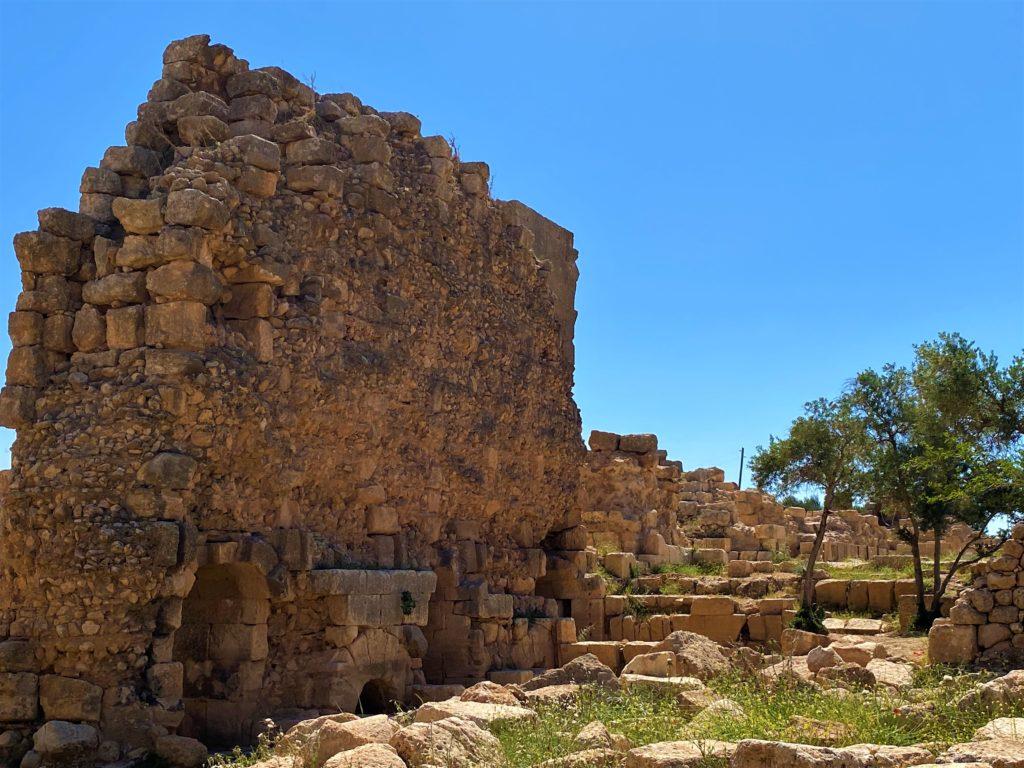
222,643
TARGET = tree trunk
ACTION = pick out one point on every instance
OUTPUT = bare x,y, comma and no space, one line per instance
812,558
924,619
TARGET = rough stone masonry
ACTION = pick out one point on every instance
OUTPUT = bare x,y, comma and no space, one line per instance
295,429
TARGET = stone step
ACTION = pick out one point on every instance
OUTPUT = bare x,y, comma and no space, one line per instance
855,626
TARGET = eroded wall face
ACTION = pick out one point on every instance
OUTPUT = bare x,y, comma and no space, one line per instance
277,313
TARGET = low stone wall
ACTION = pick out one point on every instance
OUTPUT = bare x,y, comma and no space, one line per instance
987,618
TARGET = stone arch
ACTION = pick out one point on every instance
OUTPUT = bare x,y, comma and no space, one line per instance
373,674
222,645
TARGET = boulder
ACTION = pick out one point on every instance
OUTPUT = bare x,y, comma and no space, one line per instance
659,664
486,692
333,737
597,757
60,740
797,642
474,711
696,655
998,753
1008,728
1007,690
367,756
452,743
181,751
66,698
821,657
893,674
583,670
847,676
678,754
594,735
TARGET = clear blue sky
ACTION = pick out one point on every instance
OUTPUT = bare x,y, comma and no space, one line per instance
766,196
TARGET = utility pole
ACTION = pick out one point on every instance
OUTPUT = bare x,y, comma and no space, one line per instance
740,483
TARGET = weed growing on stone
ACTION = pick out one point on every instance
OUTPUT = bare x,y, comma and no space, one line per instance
691,569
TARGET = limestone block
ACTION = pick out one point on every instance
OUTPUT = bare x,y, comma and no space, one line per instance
67,698
256,182
832,593
181,751
202,130
184,281
60,740
722,628
881,596
27,367
166,681
116,289
712,605
48,254
255,151
168,470
181,243
316,178
131,161
603,441
100,180
711,556
237,642
314,151
17,406
178,325
382,520
89,329
190,207
797,642
125,327
991,634
620,564
139,217
644,443
260,336
16,656
19,696
25,328
250,300
950,643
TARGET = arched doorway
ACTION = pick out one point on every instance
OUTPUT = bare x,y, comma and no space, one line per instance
378,697
222,643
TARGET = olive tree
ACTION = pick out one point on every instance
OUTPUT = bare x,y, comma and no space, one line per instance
946,441
823,450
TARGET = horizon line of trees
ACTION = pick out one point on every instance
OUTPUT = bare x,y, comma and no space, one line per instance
931,445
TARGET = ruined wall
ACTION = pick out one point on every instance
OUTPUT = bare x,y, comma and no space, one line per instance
289,328
987,618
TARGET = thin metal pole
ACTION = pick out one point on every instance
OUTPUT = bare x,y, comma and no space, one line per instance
740,483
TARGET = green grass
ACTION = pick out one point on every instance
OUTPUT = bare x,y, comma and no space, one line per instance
694,570
644,716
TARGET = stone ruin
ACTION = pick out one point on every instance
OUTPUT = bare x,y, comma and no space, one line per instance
296,435
295,423
987,618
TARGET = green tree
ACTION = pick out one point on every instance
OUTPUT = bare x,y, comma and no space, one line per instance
946,449
810,503
823,450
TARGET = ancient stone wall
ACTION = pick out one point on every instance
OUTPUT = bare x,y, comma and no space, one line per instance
286,339
629,494
987,618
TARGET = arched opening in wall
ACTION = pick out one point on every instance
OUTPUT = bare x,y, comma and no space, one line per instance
376,698
222,643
